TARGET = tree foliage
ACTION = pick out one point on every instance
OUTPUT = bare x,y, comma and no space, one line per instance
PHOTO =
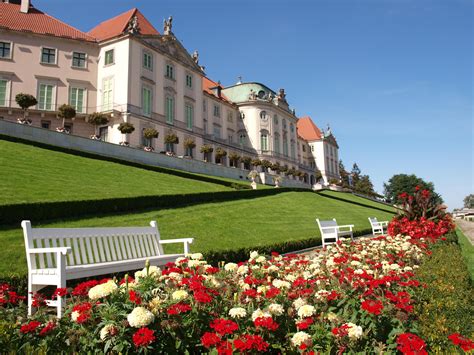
25,101
344,175
97,119
400,183
126,128
469,201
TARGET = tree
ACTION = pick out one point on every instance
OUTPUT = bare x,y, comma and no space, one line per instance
66,112
344,175
150,133
25,101
355,173
401,183
97,119
469,201
125,128
365,186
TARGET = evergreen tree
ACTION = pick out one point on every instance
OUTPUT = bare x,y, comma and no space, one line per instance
355,173
344,175
365,186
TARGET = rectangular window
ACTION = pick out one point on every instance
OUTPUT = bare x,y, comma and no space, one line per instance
169,71
48,56
169,108
230,117
264,141
189,81
312,148
45,97
3,92
147,61
107,94
189,113
45,124
146,101
104,134
217,132
217,111
68,127
5,50
77,98
109,57
78,60
230,137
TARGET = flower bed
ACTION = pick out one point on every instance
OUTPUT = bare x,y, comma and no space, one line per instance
351,297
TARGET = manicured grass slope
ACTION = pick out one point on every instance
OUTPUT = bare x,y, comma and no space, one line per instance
228,225
357,199
467,251
32,174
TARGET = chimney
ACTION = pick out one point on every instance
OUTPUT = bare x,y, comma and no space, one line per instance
25,6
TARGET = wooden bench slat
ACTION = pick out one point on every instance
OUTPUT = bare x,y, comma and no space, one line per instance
132,246
49,260
95,249
123,248
83,251
76,251
70,257
118,248
90,253
110,242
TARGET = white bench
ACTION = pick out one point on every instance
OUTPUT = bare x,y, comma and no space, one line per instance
331,231
377,227
55,255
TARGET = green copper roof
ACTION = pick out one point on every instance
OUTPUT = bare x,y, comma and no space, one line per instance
240,92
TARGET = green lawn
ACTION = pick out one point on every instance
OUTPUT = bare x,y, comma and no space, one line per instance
234,224
32,174
353,198
467,251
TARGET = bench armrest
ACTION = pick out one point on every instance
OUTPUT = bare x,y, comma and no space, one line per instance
350,226
62,250
323,228
384,223
185,241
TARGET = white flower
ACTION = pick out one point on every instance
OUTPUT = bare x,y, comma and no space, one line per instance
180,260
230,267
306,311
102,290
104,332
194,263
75,315
140,317
237,312
299,302
281,284
196,256
260,314
276,309
253,255
354,331
154,271
179,295
301,338
331,316
243,269
261,259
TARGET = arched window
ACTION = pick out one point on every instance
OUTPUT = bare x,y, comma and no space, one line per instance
169,109
276,143
242,139
263,140
285,145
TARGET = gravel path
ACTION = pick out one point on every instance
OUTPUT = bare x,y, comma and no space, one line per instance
467,228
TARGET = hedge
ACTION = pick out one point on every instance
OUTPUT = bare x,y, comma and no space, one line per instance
444,303
180,173
13,214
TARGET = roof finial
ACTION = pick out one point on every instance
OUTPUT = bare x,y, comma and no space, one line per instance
196,57
167,25
239,80
133,26
328,130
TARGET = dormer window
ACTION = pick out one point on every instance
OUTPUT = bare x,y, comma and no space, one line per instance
261,94
263,115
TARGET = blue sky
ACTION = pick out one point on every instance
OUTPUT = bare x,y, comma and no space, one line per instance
394,78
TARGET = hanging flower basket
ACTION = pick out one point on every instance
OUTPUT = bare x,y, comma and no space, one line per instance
62,130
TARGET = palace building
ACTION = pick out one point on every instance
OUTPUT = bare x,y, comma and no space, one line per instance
125,68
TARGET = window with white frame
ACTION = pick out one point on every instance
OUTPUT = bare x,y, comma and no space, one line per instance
109,57
285,146
5,50
79,59
4,89
189,114
312,148
276,143
107,94
46,93
230,136
169,109
147,99
147,60
189,81
217,111
48,55
169,73
77,98
264,140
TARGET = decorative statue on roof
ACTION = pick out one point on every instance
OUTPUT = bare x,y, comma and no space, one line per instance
252,95
132,26
270,97
328,132
167,25
282,95
196,57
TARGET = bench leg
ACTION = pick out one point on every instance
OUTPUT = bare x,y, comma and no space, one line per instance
32,289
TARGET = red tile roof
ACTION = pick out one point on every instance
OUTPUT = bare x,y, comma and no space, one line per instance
117,25
307,129
36,21
208,84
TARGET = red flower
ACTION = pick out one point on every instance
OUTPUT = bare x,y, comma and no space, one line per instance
179,308
83,288
134,297
465,343
47,329
202,297
224,326
304,324
38,300
224,348
248,342
210,339
212,270
59,292
411,344
266,322
372,306
272,292
30,327
341,331
143,337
